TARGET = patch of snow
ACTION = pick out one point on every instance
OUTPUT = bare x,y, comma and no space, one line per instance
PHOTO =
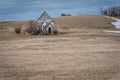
116,24
111,31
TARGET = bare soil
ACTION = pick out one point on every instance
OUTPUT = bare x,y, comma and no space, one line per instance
80,51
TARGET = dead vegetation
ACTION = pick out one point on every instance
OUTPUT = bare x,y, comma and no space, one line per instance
18,30
30,28
79,52
84,21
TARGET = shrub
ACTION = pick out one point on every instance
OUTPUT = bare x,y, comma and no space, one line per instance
65,28
28,30
17,30
35,31
55,32
32,28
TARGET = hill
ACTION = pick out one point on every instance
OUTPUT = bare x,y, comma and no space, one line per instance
80,51
82,21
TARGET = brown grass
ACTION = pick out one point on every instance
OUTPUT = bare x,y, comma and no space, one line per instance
80,51
84,21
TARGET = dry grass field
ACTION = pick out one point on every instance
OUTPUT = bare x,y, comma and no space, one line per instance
80,51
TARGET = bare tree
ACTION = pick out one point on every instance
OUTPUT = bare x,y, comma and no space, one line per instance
32,28
111,11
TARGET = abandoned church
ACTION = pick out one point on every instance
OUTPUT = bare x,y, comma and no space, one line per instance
45,24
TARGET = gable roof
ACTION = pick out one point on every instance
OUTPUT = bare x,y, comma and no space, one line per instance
45,17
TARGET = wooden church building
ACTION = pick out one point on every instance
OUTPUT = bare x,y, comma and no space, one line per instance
45,24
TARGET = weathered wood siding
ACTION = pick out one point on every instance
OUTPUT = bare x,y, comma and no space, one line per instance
45,24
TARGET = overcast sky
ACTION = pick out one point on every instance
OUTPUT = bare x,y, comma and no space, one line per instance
31,9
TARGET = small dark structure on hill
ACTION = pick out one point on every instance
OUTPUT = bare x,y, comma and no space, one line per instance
65,14
45,24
